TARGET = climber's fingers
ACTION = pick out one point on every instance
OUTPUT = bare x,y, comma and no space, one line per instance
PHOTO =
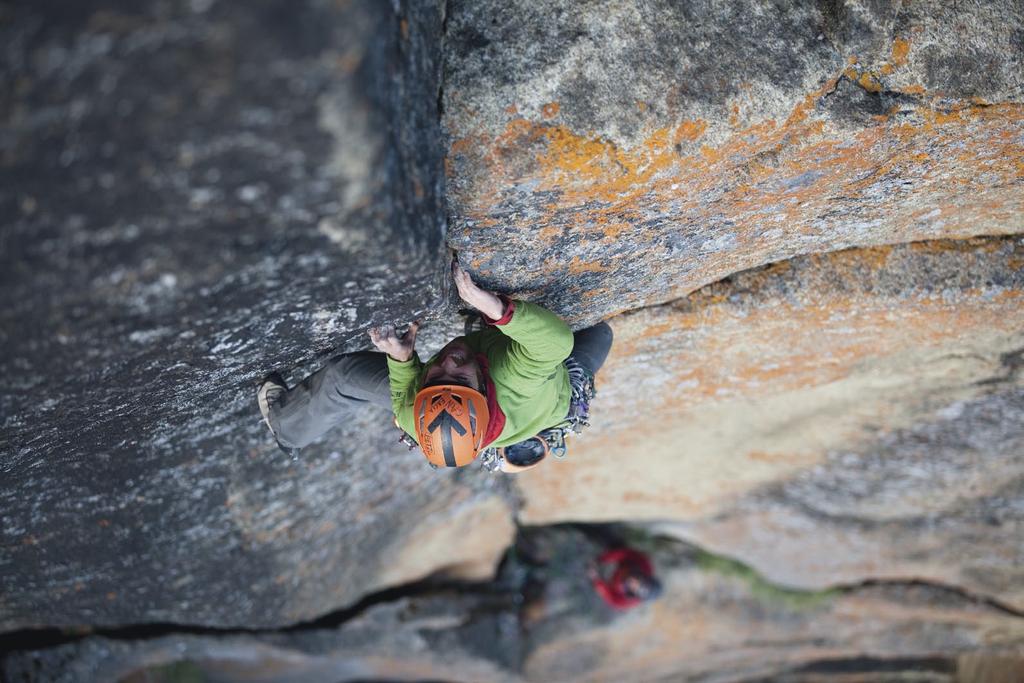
410,335
383,337
463,281
386,338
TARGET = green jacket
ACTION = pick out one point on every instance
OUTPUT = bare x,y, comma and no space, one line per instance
525,357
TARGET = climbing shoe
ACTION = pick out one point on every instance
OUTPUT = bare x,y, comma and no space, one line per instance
270,390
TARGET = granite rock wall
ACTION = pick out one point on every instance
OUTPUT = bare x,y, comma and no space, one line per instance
828,420
807,215
194,194
718,621
607,156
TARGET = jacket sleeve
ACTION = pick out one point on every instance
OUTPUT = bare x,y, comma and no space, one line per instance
403,376
540,341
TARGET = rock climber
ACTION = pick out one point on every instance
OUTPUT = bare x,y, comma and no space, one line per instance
624,578
511,391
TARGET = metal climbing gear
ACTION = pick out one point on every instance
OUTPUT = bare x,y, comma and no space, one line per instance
530,452
404,438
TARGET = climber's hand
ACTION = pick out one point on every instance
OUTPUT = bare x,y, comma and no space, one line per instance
400,348
486,302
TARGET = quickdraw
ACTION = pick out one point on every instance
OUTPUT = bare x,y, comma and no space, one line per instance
583,392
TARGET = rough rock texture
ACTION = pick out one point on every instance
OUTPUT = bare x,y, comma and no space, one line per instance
830,419
438,638
942,501
194,194
717,622
605,156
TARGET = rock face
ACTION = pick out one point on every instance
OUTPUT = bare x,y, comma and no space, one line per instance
435,638
808,215
717,622
862,407
194,195
606,156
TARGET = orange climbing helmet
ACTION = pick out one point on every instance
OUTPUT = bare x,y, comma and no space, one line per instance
451,421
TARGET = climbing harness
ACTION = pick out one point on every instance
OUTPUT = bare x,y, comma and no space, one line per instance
552,440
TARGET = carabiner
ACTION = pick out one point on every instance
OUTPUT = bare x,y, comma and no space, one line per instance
556,443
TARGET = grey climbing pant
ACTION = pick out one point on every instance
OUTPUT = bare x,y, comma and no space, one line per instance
590,347
355,380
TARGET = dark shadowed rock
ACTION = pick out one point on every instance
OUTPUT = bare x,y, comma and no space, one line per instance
448,637
717,621
193,195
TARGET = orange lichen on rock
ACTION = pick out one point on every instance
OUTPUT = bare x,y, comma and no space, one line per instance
584,169
867,79
690,130
698,199
739,370
578,265
869,82
900,51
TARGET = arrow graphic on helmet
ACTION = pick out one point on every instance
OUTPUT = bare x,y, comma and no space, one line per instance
446,423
